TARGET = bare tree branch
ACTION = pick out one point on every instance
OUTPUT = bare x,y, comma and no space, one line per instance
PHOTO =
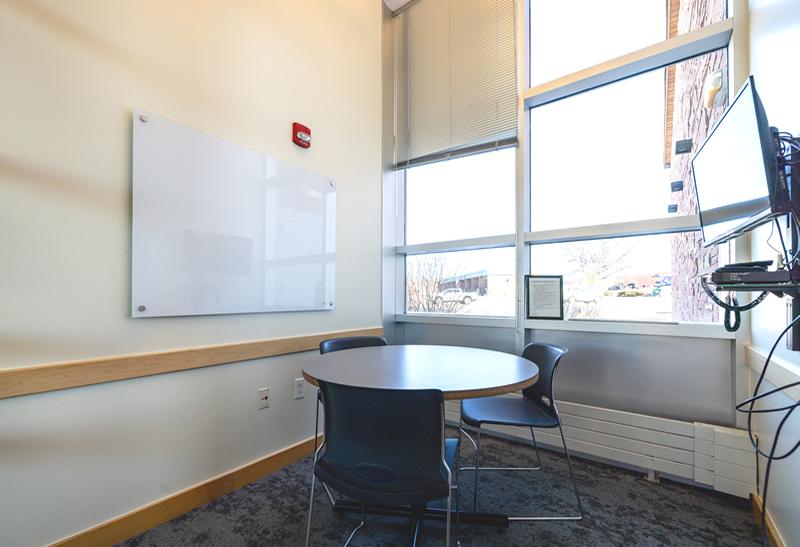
424,279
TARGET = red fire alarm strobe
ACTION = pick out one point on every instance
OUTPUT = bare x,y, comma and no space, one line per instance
301,135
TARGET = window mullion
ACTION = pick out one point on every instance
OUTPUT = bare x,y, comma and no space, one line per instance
523,173
472,244
673,50
668,225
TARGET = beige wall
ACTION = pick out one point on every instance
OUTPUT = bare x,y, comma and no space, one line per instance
774,31
71,73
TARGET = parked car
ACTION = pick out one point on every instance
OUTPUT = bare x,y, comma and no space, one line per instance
654,291
613,290
631,292
584,296
455,295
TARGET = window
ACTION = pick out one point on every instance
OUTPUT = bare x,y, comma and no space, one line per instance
625,279
620,144
479,282
609,201
461,198
456,114
617,149
569,36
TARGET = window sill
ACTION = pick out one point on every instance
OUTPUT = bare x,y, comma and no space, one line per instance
458,320
779,373
687,330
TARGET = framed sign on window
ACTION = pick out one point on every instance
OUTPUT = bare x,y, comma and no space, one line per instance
544,296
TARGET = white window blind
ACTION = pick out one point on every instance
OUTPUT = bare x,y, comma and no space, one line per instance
455,79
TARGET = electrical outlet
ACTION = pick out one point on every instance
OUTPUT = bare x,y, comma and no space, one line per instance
263,398
299,388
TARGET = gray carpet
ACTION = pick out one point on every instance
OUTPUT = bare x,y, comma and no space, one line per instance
621,508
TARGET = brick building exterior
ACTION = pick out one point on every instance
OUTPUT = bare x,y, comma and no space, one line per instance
692,120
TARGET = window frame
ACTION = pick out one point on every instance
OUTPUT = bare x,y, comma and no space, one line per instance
731,32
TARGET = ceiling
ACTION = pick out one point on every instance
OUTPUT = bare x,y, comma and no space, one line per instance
395,5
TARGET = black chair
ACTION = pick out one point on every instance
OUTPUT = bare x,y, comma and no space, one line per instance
350,342
339,344
536,408
385,447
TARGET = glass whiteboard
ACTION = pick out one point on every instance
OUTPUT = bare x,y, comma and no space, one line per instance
220,228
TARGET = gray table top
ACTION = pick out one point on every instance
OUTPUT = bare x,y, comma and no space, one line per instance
459,372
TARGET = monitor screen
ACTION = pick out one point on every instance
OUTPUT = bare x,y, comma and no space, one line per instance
732,177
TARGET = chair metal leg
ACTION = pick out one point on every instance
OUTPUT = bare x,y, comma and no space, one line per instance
536,447
484,468
310,509
415,525
311,500
574,485
458,529
477,467
449,501
357,528
571,474
449,508
316,421
329,494
463,431
316,438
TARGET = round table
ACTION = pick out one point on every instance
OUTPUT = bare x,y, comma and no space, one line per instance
459,372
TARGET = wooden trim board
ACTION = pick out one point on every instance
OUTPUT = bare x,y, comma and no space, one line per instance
779,373
51,377
142,519
773,536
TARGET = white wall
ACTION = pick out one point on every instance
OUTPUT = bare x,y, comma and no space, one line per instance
72,72
774,32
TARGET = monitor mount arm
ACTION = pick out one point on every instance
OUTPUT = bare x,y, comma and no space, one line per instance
788,159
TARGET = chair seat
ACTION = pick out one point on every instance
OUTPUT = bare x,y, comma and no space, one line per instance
376,484
517,411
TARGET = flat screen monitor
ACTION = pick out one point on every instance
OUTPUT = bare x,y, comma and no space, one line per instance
736,171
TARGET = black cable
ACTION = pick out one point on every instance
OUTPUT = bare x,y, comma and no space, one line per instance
772,233
769,468
783,245
750,411
732,309
737,316
793,220
751,401
733,306
755,398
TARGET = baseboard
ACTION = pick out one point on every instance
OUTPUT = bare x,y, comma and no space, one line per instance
773,536
146,517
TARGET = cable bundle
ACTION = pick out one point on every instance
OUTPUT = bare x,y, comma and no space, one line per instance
746,407
732,305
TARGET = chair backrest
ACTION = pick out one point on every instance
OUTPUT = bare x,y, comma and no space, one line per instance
384,434
546,357
350,342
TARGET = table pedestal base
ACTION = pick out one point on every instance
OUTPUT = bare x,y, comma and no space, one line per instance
432,513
